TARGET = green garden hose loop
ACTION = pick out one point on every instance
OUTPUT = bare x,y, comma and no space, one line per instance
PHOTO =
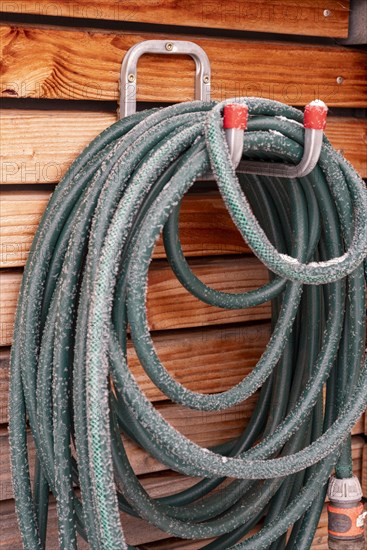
84,287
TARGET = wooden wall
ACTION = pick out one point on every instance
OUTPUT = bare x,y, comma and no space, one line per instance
59,78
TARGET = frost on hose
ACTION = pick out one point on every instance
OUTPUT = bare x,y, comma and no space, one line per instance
69,370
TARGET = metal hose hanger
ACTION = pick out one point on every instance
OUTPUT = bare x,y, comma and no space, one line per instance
85,284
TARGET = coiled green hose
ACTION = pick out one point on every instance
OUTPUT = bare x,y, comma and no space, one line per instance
85,283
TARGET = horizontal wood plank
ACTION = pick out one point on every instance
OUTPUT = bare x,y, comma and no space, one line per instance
364,470
160,485
137,531
349,137
169,305
11,539
20,215
157,485
195,358
10,535
85,64
4,384
305,17
206,228
29,155
358,428
204,428
213,428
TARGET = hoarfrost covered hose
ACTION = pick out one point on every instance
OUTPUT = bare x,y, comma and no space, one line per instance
85,282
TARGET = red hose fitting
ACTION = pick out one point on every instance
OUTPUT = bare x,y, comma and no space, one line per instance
346,526
235,115
315,114
345,514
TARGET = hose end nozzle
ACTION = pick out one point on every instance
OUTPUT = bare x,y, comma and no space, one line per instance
315,114
235,116
345,514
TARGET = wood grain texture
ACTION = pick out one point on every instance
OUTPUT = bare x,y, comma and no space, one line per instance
204,428
20,214
195,358
136,531
349,137
50,63
364,470
212,428
4,384
10,537
288,16
358,428
9,290
169,305
139,532
156,485
206,228
29,155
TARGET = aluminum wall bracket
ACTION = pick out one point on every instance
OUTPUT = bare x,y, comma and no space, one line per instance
128,76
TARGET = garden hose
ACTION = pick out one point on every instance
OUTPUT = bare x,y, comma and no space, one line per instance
83,297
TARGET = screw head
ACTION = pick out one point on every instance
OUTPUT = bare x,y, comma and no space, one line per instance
131,77
206,79
326,13
340,80
169,46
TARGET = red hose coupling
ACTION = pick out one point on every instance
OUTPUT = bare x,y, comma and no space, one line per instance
235,115
315,114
